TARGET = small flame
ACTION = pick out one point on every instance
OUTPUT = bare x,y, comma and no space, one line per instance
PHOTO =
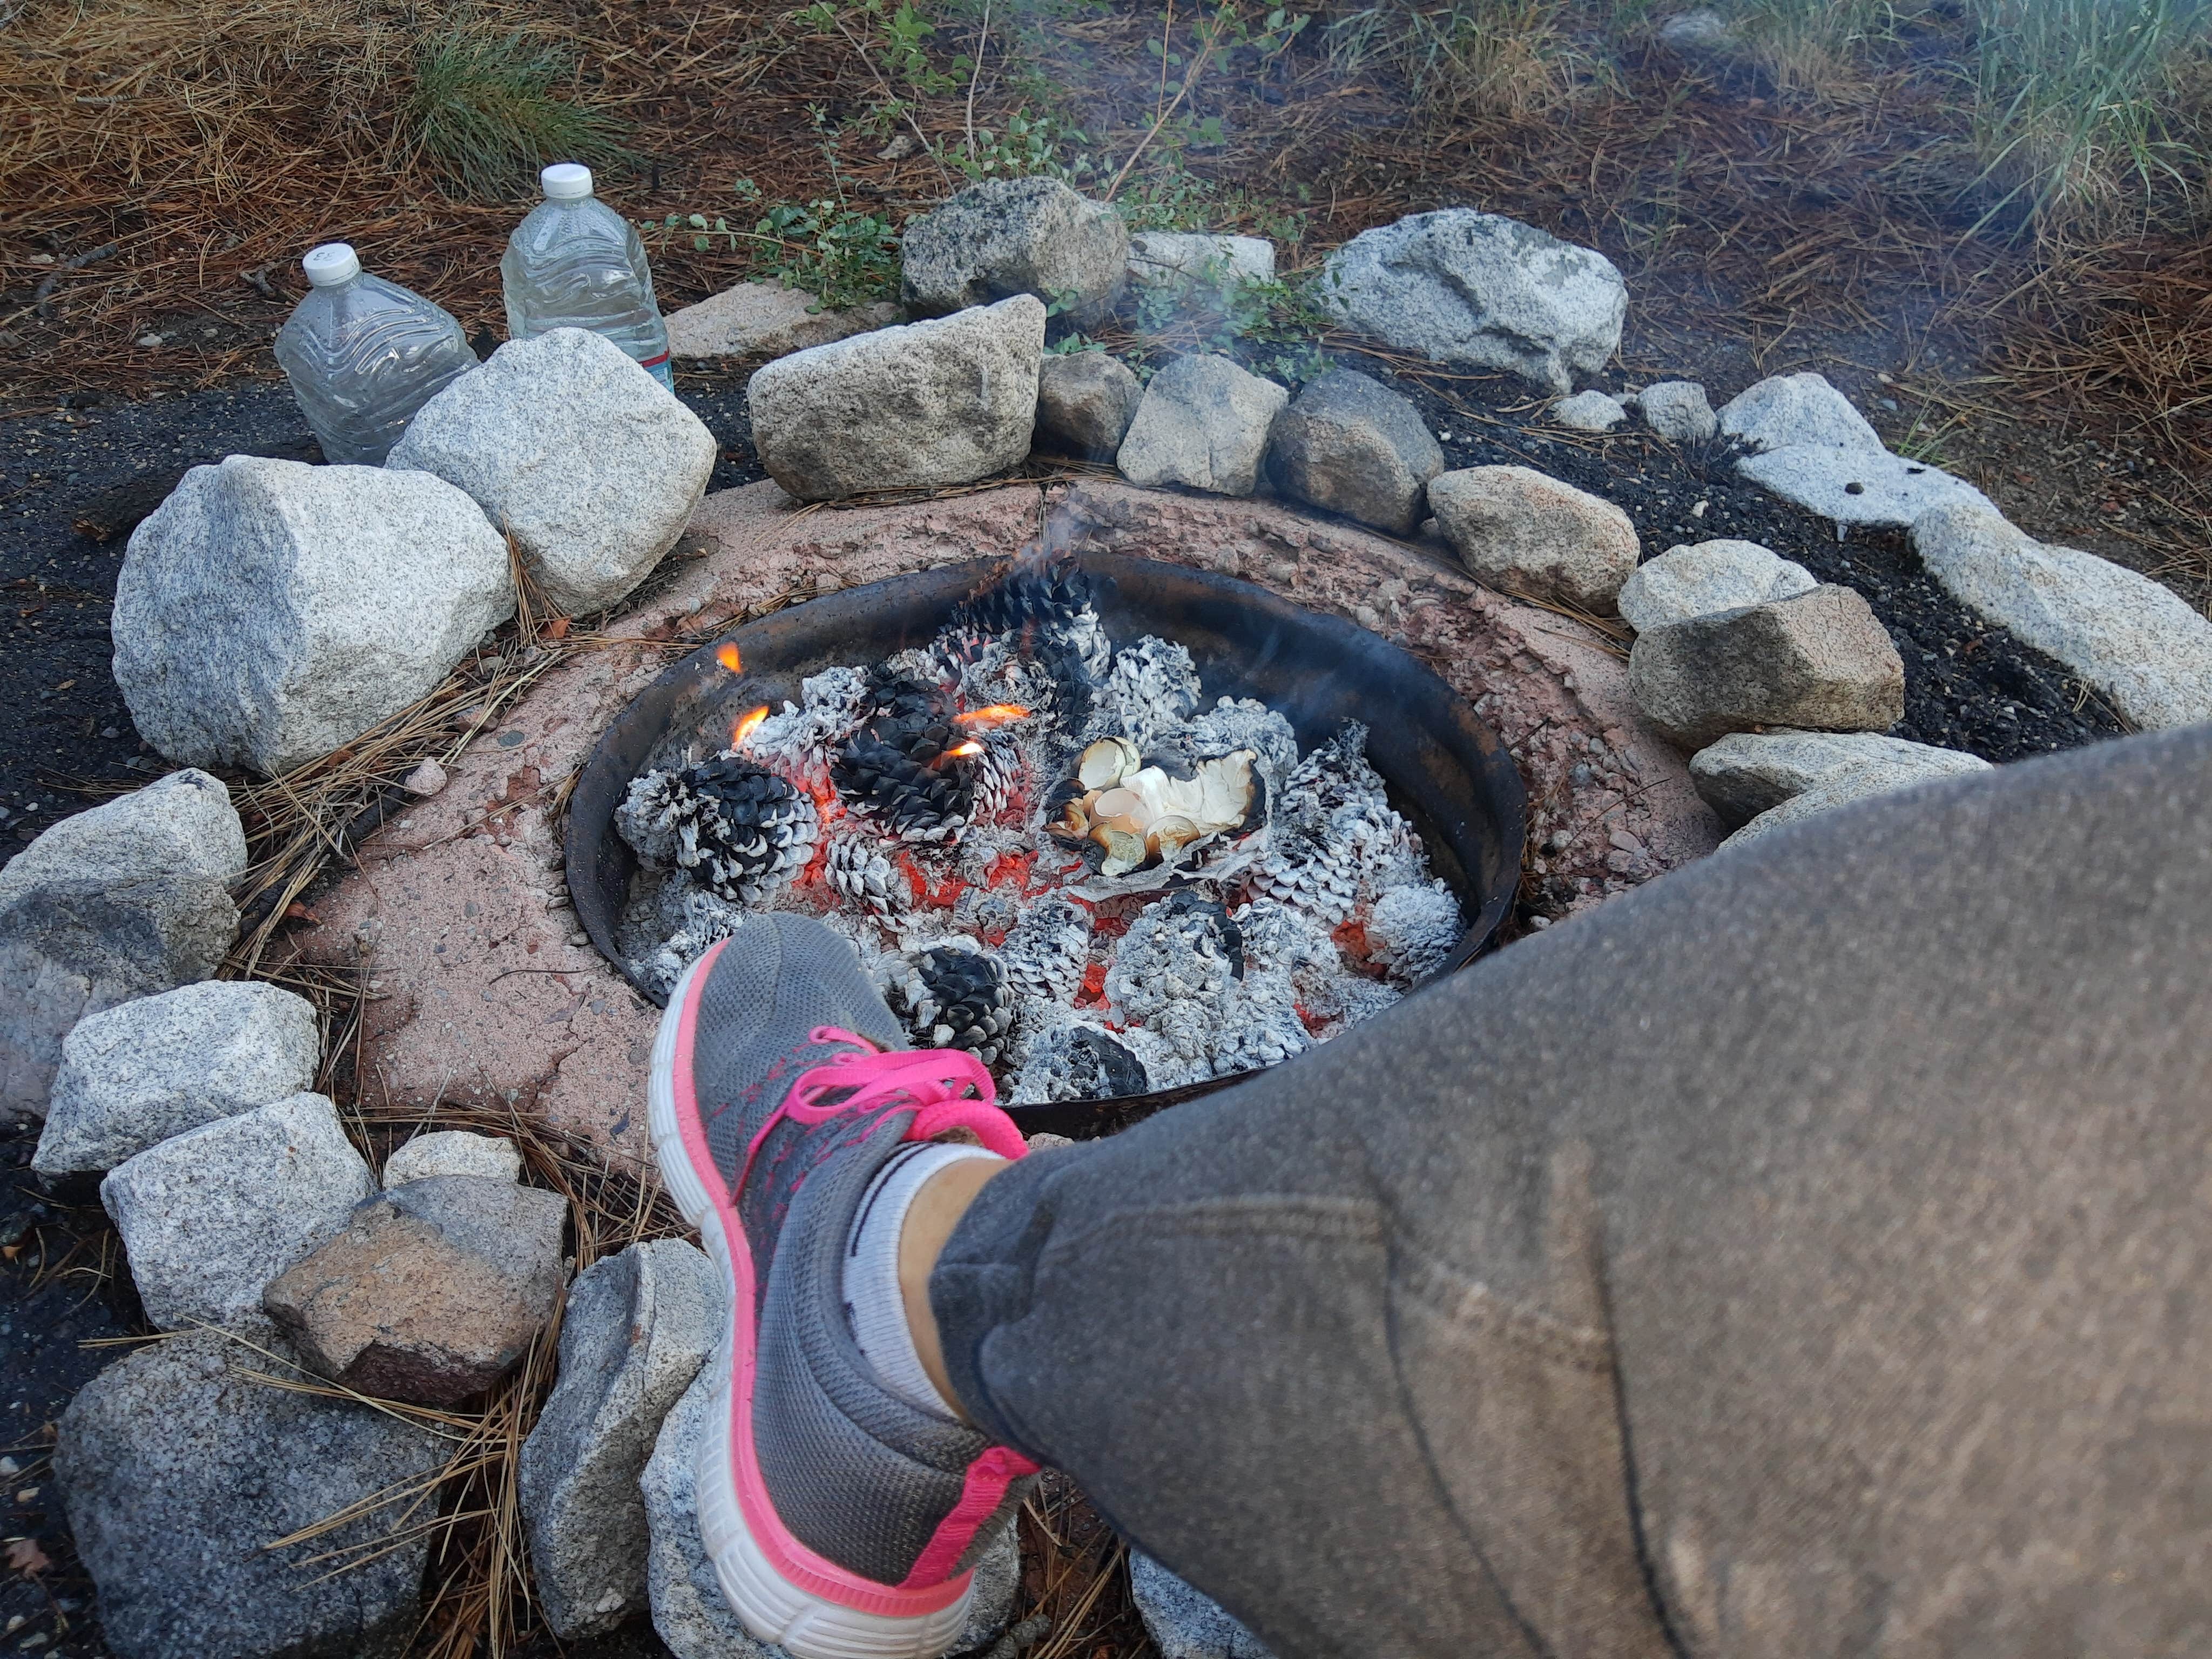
991,719
749,722
970,747
726,654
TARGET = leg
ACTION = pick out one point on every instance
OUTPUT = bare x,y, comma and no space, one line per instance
1797,1257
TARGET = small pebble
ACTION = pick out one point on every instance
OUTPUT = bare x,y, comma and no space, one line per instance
428,778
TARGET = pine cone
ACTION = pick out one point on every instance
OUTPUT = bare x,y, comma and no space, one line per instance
957,997
1048,949
914,789
1182,952
1029,595
1413,929
1153,692
743,832
1304,868
858,868
1261,1028
1080,1060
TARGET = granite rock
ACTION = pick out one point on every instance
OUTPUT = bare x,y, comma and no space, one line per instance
1841,788
584,458
270,612
1349,444
1523,532
208,1217
1820,662
1008,236
1858,486
135,1075
454,1152
767,320
940,402
1085,401
176,1471
1463,287
1703,577
1169,257
2148,654
1185,1623
1204,423
1786,412
1589,411
1678,411
430,1293
1748,773
633,1333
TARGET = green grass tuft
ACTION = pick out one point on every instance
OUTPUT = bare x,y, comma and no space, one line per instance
484,114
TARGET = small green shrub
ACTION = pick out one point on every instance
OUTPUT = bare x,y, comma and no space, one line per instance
841,255
484,113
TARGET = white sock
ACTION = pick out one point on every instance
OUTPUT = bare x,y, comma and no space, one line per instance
874,1307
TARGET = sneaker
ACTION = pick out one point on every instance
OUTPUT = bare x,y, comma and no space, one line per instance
842,1521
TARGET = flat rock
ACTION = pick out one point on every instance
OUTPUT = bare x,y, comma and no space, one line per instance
1678,411
688,1612
1523,532
126,900
1008,236
211,1216
176,1471
1167,258
1703,577
580,455
1840,788
1204,423
1748,773
431,1292
1820,662
767,320
1349,444
942,402
1589,411
2148,654
1085,401
454,1152
634,1330
135,1075
1478,289
1185,1623
1699,33
1786,412
270,612
1858,486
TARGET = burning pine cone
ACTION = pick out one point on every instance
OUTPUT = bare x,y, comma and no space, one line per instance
741,832
918,792
957,997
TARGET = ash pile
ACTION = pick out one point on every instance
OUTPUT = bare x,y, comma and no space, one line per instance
1052,850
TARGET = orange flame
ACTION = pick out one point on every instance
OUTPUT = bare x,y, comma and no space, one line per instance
991,719
970,747
726,654
747,723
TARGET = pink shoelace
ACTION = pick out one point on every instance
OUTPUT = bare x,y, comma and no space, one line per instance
949,1090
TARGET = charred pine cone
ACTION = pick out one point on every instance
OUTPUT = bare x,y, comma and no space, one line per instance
741,832
859,869
1033,596
956,997
1177,955
1048,949
1414,929
1081,1060
900,768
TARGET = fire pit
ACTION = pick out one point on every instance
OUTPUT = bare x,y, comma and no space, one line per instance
1142,839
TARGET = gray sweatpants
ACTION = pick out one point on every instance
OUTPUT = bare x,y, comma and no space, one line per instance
1800,1256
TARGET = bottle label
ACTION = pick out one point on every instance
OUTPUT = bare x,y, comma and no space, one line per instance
660,368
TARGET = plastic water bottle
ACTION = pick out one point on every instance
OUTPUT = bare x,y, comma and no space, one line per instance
363,355
575,262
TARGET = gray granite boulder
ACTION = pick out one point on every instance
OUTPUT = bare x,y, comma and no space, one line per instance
1521,532
1008,236
635,1327
1840,788
1703,577
2147,652
1351,445
1477,289
1748,773
429,1293
767,320
1678,411
176,1472
688,1612
135,1075
1204,423
1185,1623
208,1217
1085,401
573,449
127,900
270,612
1589,411
454,1151
941,402
1858,486
1784,412
1167,258
1820,661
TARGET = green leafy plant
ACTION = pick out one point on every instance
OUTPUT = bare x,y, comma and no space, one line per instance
483,113
840,254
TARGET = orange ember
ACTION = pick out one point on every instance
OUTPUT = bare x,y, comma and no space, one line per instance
726,654
991,719
970,747
748,723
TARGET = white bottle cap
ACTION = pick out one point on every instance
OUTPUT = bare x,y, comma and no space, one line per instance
566,181
331,265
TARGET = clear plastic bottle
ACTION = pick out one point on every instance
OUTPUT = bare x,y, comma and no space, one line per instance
363,355
575,262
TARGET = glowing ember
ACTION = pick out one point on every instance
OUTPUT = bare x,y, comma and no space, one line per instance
991,719
970,747
726,654
747,723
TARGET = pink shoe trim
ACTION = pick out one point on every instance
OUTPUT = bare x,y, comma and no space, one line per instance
981,1494
814,1574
